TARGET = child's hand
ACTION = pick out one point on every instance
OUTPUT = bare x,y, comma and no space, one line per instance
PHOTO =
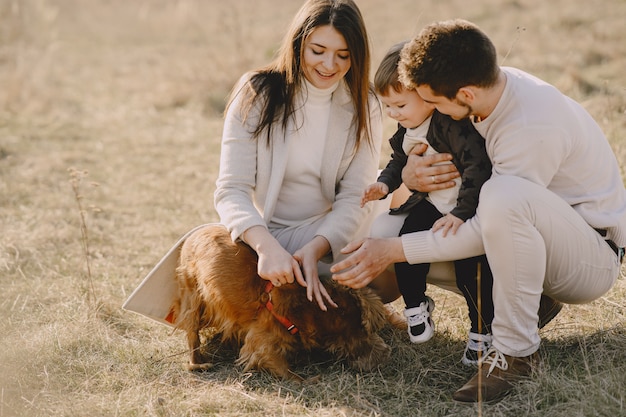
373,192
447,223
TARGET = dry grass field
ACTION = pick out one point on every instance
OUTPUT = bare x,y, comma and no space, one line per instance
110,125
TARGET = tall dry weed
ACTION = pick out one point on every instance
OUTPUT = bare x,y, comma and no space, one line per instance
77,178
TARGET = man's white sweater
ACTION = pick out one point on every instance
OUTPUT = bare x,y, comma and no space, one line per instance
537,133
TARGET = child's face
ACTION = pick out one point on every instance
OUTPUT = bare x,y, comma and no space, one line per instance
406,107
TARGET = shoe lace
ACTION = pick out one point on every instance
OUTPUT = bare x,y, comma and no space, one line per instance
476,345
494,358
418,319
420,314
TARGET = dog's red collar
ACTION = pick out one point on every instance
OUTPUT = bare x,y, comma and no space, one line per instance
291,328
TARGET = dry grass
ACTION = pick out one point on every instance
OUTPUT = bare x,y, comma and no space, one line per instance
131,93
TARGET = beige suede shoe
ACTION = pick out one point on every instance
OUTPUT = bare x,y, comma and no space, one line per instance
548,309
496,375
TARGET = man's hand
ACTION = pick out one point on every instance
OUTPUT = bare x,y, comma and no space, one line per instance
421,174
369,259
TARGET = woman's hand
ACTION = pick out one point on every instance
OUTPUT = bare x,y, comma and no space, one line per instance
275,264
421,174
307,257
279,266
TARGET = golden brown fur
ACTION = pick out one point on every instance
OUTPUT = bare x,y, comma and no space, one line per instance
219,288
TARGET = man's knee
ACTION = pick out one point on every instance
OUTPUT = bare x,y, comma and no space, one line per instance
501,193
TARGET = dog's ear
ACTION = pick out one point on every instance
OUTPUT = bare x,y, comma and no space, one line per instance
373,315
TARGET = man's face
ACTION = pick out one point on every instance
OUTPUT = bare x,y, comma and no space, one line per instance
455,108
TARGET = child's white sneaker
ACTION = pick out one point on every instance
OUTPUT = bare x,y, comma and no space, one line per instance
421,326
476,348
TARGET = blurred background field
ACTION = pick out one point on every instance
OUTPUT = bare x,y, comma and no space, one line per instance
123,101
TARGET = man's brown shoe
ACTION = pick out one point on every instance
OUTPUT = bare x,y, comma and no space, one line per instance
548,309
395,318
495,377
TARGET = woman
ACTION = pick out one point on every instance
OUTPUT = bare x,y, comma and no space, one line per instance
301,142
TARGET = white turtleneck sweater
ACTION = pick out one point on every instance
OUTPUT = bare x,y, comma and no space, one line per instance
304,164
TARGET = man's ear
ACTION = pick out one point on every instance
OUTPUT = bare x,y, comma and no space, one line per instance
466,94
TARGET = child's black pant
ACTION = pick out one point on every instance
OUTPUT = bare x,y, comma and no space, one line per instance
412,277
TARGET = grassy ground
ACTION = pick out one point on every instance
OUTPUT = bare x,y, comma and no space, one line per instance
112,110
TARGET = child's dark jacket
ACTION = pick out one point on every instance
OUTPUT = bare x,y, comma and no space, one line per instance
446,135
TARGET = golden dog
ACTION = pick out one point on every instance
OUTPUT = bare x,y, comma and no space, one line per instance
220,288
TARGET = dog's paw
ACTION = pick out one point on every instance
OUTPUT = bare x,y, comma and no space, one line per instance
199,367
313,380
292,376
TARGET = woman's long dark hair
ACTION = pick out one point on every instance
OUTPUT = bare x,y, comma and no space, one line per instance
277,84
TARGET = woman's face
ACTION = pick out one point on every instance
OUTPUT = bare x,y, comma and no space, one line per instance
326,58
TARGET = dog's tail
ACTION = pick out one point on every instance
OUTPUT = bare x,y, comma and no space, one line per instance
188,307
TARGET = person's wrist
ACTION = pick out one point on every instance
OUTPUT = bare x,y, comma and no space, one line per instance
321,246
397,250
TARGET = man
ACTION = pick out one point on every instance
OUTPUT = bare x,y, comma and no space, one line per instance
551,219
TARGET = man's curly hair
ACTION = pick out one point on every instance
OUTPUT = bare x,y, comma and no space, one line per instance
447,56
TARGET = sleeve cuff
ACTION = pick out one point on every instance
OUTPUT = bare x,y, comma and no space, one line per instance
415,247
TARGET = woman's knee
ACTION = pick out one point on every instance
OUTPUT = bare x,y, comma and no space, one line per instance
386,286
386,225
